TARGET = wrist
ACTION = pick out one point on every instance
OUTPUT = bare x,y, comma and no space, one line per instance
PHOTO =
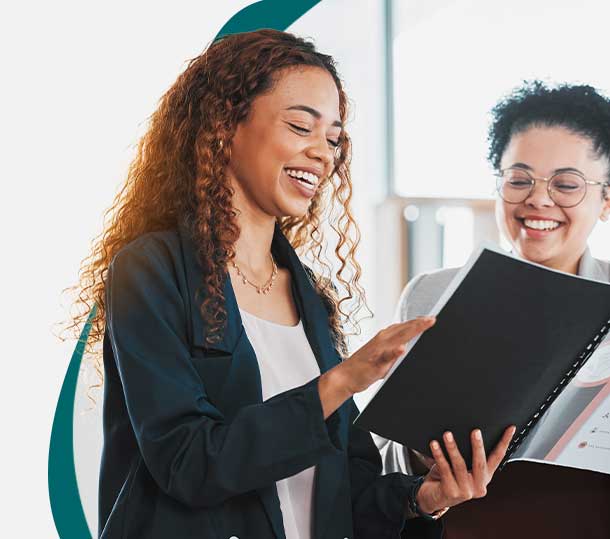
333,391
339,379
422,498
420,506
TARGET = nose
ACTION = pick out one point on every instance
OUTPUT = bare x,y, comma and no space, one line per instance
539,195
321,151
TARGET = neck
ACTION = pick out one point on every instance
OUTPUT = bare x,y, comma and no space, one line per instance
256,228
253,246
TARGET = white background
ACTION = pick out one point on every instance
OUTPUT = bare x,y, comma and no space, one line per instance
78,79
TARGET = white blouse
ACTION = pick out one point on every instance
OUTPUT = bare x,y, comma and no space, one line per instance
286,361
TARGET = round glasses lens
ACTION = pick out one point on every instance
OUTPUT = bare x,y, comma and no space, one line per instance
567,189
514,185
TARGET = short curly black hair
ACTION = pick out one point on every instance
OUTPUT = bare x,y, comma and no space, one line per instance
579,108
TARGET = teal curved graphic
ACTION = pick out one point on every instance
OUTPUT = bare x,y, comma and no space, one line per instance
276,14
67,510
64,496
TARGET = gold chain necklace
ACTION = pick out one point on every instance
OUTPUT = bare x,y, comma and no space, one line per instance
260,289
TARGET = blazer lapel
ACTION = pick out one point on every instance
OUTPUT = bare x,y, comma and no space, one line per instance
329,470
310,306
194,280
242,385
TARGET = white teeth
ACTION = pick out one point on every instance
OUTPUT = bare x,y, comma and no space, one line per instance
308,176
307,185
540,225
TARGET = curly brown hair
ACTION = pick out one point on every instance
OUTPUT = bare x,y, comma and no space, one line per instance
178,176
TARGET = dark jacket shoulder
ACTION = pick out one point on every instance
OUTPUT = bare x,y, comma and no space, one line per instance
162,244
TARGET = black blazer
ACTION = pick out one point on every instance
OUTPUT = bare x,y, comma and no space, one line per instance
190,449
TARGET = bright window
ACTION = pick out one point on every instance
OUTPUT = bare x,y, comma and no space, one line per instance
453,60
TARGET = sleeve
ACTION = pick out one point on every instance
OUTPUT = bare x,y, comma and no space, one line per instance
191,451
402,311
379,502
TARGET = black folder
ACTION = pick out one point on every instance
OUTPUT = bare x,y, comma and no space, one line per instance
509,336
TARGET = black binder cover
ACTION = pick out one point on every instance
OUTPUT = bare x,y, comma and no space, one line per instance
503,347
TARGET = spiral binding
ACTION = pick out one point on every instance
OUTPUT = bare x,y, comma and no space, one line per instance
575,367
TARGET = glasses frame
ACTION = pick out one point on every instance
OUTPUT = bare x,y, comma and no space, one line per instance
500,179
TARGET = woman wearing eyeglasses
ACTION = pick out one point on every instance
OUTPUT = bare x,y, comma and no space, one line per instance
551,148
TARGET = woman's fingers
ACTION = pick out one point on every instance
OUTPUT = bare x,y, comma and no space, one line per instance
442,465
443,469
454,482
480,473
373,361
391,342
458,464
399,351
405,331
496,456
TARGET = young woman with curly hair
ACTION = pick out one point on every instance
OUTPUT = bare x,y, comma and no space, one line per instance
227,385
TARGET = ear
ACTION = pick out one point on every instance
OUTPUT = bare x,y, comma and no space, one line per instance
605,213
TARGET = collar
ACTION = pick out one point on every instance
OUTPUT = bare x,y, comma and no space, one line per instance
591,268
194,280
311,309
588,267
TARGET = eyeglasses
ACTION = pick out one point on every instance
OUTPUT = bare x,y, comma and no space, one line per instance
566,189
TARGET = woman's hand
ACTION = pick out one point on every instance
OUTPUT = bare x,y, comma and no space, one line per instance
373,361
369,363
451,483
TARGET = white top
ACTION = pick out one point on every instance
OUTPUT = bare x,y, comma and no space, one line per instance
286,361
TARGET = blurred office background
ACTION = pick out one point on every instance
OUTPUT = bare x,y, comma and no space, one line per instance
422,76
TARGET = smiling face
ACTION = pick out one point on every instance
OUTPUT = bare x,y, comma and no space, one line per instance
538,229
285,148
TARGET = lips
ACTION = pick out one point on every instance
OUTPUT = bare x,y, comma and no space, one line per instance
536,227
305,175
306,181
541,224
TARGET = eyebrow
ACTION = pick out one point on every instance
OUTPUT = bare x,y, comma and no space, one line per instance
316,114
568,169
556,171
521,165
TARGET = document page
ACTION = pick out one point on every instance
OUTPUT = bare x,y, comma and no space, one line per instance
575,430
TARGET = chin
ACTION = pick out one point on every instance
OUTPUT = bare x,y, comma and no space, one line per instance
539,255
294,210
533,255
